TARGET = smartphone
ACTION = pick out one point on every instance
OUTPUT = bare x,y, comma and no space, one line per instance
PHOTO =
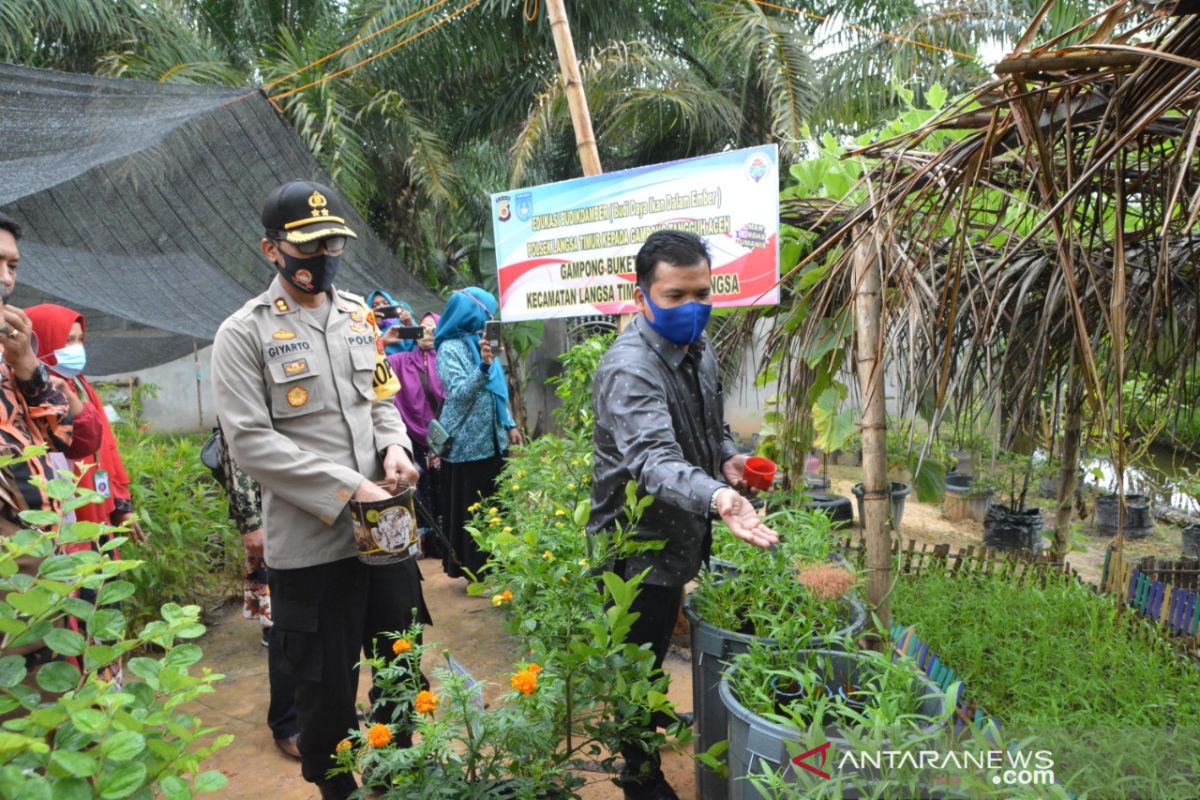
491,332
413,332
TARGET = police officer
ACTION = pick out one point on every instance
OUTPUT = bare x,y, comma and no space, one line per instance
294,376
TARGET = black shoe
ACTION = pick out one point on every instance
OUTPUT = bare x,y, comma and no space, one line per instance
340,788
653,787
266,637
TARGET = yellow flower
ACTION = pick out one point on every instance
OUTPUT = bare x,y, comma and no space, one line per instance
516,487
549,556
401,646
474,507
570,485
506,529
343,746
520,473
493,511
426,702
494,521
497,600
583,562
524,682
558,512
379,735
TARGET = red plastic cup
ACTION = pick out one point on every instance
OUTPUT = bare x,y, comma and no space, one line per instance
760,472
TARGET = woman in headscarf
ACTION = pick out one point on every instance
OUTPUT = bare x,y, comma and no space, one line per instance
419,400
391,344
60,346
475,414
60,337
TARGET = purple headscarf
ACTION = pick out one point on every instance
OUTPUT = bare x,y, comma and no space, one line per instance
417,405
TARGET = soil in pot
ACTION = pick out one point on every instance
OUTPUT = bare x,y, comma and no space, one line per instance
1139,523
1004,529
899,492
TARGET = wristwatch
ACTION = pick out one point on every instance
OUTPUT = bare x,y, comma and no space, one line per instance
712,501
36,383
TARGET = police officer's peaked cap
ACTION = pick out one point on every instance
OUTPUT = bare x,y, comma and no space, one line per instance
302,211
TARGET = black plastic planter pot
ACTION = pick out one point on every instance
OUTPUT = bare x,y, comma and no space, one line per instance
899,492
1139,523
1189,537
836,506
712,649
756,743
1013,530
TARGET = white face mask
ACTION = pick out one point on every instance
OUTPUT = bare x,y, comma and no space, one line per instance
71,360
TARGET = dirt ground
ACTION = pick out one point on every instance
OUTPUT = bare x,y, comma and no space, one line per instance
471,629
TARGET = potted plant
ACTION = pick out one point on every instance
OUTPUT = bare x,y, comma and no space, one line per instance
968,496
783,701
793,583
1012,525
1190,534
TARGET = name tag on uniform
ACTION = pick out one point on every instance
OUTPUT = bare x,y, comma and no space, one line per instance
102,483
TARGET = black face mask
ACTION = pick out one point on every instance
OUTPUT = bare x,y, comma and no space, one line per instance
310,275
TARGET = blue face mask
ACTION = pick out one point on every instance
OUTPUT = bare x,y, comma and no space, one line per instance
681,325
71,360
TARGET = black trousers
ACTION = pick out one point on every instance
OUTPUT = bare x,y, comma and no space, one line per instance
325,616
281,713
659,609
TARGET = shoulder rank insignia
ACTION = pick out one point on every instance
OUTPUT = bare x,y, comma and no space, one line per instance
282,306
297,396
283,335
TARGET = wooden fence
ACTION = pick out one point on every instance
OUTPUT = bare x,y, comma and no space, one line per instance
1166,592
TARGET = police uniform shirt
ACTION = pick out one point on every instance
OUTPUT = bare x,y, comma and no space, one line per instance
297,402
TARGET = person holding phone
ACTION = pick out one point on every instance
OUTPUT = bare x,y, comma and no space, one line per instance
475,414
391,313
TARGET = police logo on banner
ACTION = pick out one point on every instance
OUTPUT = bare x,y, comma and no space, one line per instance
504,208
524,206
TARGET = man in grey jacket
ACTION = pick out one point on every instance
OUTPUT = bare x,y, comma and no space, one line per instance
660,422
294,376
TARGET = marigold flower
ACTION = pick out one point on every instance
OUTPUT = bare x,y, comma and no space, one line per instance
516,487
583,562
570,485
474,507
493,511
494,521
525,682
506,529
401,646
506,595
343,746
558,512
379,735
426,702
497,600
549,556
534,668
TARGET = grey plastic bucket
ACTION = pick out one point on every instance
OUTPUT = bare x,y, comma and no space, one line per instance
712,649
756,742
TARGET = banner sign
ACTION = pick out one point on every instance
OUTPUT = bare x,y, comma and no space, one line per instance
567,249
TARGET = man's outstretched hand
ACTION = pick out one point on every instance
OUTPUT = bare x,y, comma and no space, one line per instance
742,519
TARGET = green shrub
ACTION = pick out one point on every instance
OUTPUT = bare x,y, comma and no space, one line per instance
192,552
74,734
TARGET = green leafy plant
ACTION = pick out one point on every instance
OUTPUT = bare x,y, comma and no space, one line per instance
574,385
192,553
1068,667
767,585
74,732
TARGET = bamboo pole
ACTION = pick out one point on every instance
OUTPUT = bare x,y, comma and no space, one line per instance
868,355
581,118
1068,473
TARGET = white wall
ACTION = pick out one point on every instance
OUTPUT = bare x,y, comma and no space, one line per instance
177,409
